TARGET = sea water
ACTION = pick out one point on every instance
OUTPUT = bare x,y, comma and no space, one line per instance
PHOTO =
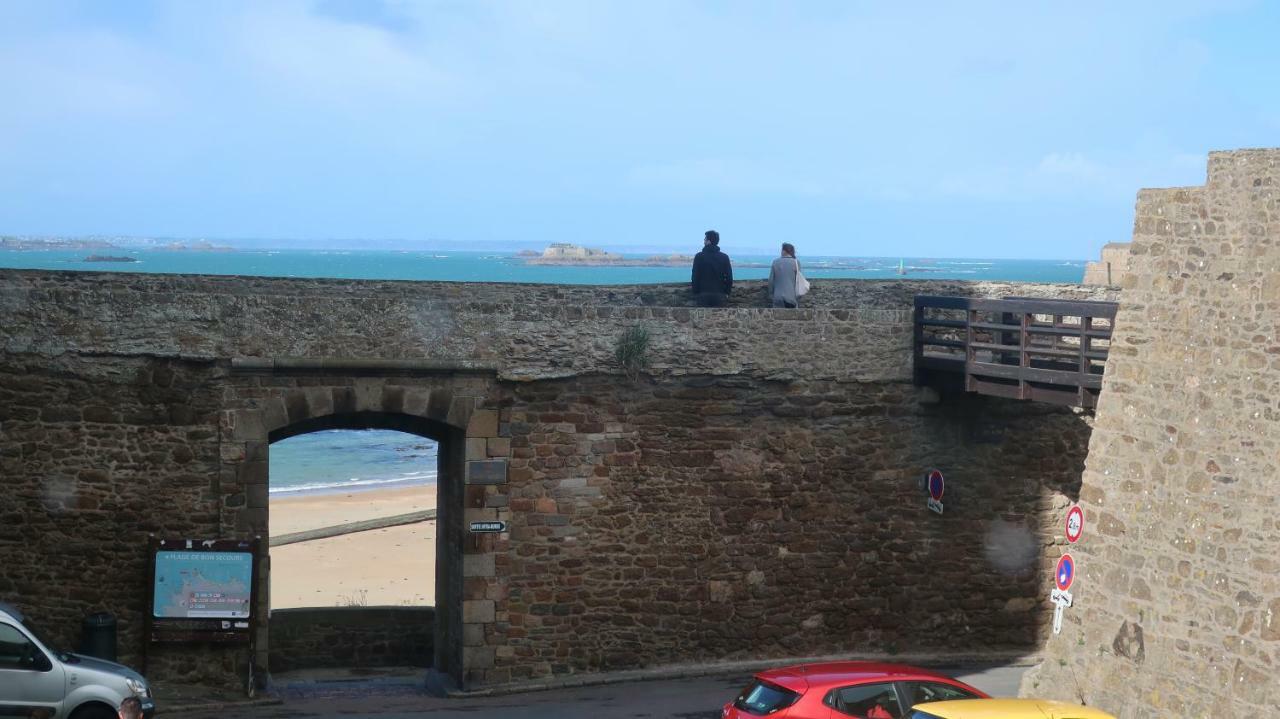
350,460
345,460
506,267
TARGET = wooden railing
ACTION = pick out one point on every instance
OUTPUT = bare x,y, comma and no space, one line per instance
1017,347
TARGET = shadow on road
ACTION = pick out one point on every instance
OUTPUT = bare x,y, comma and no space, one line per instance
404,696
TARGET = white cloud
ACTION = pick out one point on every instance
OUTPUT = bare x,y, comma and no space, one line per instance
1076,174
316,58
723,176
80,73
1071,166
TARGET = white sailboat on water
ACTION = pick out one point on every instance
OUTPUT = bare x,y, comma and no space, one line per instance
901,269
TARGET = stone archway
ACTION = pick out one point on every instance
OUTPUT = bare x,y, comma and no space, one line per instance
457,410
450,470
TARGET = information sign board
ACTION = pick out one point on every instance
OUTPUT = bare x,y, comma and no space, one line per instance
202,590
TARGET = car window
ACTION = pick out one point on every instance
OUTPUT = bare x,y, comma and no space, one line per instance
762,698
921,692
14,648
868,701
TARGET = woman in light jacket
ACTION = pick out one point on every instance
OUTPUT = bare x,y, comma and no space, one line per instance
783,274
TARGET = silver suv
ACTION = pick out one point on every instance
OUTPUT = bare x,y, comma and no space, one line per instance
35,677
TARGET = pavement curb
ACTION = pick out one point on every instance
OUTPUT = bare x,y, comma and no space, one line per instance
175,709
680,671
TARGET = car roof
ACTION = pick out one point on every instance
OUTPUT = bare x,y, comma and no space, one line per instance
1010,709
823,675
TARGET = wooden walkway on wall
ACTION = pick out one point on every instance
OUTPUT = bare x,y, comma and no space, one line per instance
1025,348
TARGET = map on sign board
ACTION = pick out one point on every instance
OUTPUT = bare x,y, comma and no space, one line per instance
203,585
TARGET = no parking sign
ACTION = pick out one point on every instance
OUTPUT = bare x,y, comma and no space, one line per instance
937,485
1063,576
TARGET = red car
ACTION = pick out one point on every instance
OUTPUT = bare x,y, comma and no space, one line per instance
839,690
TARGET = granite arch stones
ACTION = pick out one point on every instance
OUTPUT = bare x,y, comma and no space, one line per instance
268,402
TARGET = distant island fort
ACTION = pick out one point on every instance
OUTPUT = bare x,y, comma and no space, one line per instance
563,253
109,258
566,254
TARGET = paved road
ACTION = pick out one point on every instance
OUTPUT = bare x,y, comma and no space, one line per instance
699,698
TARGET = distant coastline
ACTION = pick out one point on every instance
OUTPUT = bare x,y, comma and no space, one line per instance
107,243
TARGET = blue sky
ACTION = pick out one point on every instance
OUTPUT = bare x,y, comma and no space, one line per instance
909,128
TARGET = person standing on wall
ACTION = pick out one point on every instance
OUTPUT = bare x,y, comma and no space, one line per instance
786,284
712,273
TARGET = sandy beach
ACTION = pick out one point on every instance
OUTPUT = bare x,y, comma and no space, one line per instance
393,566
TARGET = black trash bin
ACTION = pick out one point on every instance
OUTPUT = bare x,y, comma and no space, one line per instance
98,636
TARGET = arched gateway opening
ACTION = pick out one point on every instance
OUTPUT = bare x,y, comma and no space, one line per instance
352,552
373,626
453,407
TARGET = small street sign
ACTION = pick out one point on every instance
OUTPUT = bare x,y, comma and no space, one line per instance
1075,524
488,527
1065,574
937,485
1061,601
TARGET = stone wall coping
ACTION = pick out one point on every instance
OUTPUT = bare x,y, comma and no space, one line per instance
846,329
749,294
248,365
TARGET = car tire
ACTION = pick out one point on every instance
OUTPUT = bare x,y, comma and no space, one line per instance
95,711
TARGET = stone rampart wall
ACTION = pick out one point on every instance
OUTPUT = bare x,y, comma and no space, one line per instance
753,495
723,518
321,637
851,330
1112,268
1178,591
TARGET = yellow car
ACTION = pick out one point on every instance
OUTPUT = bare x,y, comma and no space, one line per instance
1005,709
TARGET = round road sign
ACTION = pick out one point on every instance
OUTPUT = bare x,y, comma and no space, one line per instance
936,485
1075,524
1065,574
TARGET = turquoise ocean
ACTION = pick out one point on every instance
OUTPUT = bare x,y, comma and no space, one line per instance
499,267
345,461
350,460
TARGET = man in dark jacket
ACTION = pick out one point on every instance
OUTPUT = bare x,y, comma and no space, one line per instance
712,273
